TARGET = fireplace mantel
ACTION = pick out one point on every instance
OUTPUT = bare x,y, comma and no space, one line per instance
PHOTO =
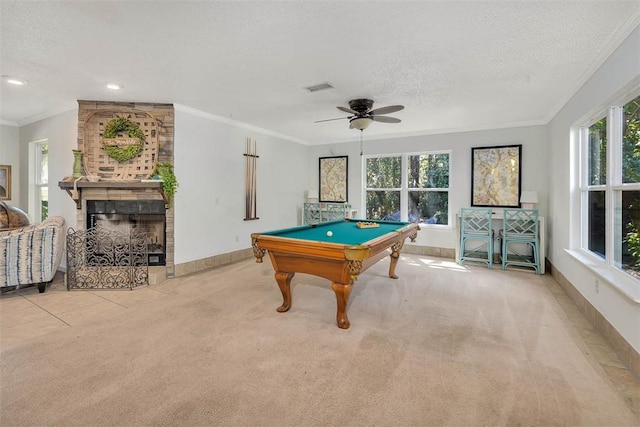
71,186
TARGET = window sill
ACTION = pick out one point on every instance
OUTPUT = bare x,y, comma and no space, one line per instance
621,282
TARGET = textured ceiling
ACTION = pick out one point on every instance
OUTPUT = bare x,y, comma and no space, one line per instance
454,65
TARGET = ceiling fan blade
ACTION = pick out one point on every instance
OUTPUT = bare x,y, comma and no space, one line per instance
387,110
348,110
329,120
385,119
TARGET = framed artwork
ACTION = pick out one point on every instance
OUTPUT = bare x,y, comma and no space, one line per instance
333,179
495,176
5,182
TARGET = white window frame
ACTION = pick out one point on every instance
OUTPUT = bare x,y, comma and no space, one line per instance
404,181
605,267
35,179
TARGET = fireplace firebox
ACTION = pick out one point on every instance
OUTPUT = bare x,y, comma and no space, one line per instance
141,216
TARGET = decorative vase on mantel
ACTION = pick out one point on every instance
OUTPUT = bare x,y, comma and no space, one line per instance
77,163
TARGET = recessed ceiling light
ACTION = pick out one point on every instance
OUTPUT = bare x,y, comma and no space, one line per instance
113,86
14,81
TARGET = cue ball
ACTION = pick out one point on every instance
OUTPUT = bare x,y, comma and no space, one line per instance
329,233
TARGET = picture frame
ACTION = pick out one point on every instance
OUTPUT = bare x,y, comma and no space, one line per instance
5,182
496,176
333,179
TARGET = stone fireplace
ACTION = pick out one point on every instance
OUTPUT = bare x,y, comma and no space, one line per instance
121,195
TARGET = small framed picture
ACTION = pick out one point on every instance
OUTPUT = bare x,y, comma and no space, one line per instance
5,182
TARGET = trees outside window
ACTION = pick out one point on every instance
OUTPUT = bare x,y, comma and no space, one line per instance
383,185
408,187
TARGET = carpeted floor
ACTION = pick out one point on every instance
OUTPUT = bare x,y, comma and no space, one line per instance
443,345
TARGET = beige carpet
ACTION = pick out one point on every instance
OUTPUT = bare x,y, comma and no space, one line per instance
443,345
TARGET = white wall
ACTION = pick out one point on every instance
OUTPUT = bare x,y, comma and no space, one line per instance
535,146
61,131
210,201
10,155
611,80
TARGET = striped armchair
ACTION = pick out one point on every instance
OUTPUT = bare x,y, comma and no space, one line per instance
31,255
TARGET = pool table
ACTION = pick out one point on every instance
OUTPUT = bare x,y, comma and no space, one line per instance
337,250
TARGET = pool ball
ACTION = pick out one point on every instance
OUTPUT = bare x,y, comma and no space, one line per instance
329,233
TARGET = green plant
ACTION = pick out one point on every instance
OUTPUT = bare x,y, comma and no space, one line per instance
633,241
169,181
122,124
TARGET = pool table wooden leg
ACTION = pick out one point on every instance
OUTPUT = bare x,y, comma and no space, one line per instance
284,282
392,267
395,255
342,298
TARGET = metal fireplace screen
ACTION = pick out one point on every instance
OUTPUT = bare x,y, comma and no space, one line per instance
100,258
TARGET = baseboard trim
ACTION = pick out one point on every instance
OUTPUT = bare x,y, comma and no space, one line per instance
212,262
429,251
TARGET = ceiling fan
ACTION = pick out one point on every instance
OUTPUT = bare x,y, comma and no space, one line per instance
363,115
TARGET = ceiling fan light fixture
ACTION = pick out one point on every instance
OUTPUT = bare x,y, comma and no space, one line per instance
360,123
361,114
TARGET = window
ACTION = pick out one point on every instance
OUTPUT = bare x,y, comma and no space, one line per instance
383,184
408,187
39,177
610,187
596,184
428,177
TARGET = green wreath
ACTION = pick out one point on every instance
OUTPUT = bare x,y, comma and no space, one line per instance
122,124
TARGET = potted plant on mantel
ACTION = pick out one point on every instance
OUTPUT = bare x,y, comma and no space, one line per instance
164,172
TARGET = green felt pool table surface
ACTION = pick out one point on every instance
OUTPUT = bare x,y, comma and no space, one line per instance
343,232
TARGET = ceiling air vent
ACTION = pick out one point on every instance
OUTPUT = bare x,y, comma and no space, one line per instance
319,87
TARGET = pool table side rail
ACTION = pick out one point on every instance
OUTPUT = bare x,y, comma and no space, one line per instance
310,248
